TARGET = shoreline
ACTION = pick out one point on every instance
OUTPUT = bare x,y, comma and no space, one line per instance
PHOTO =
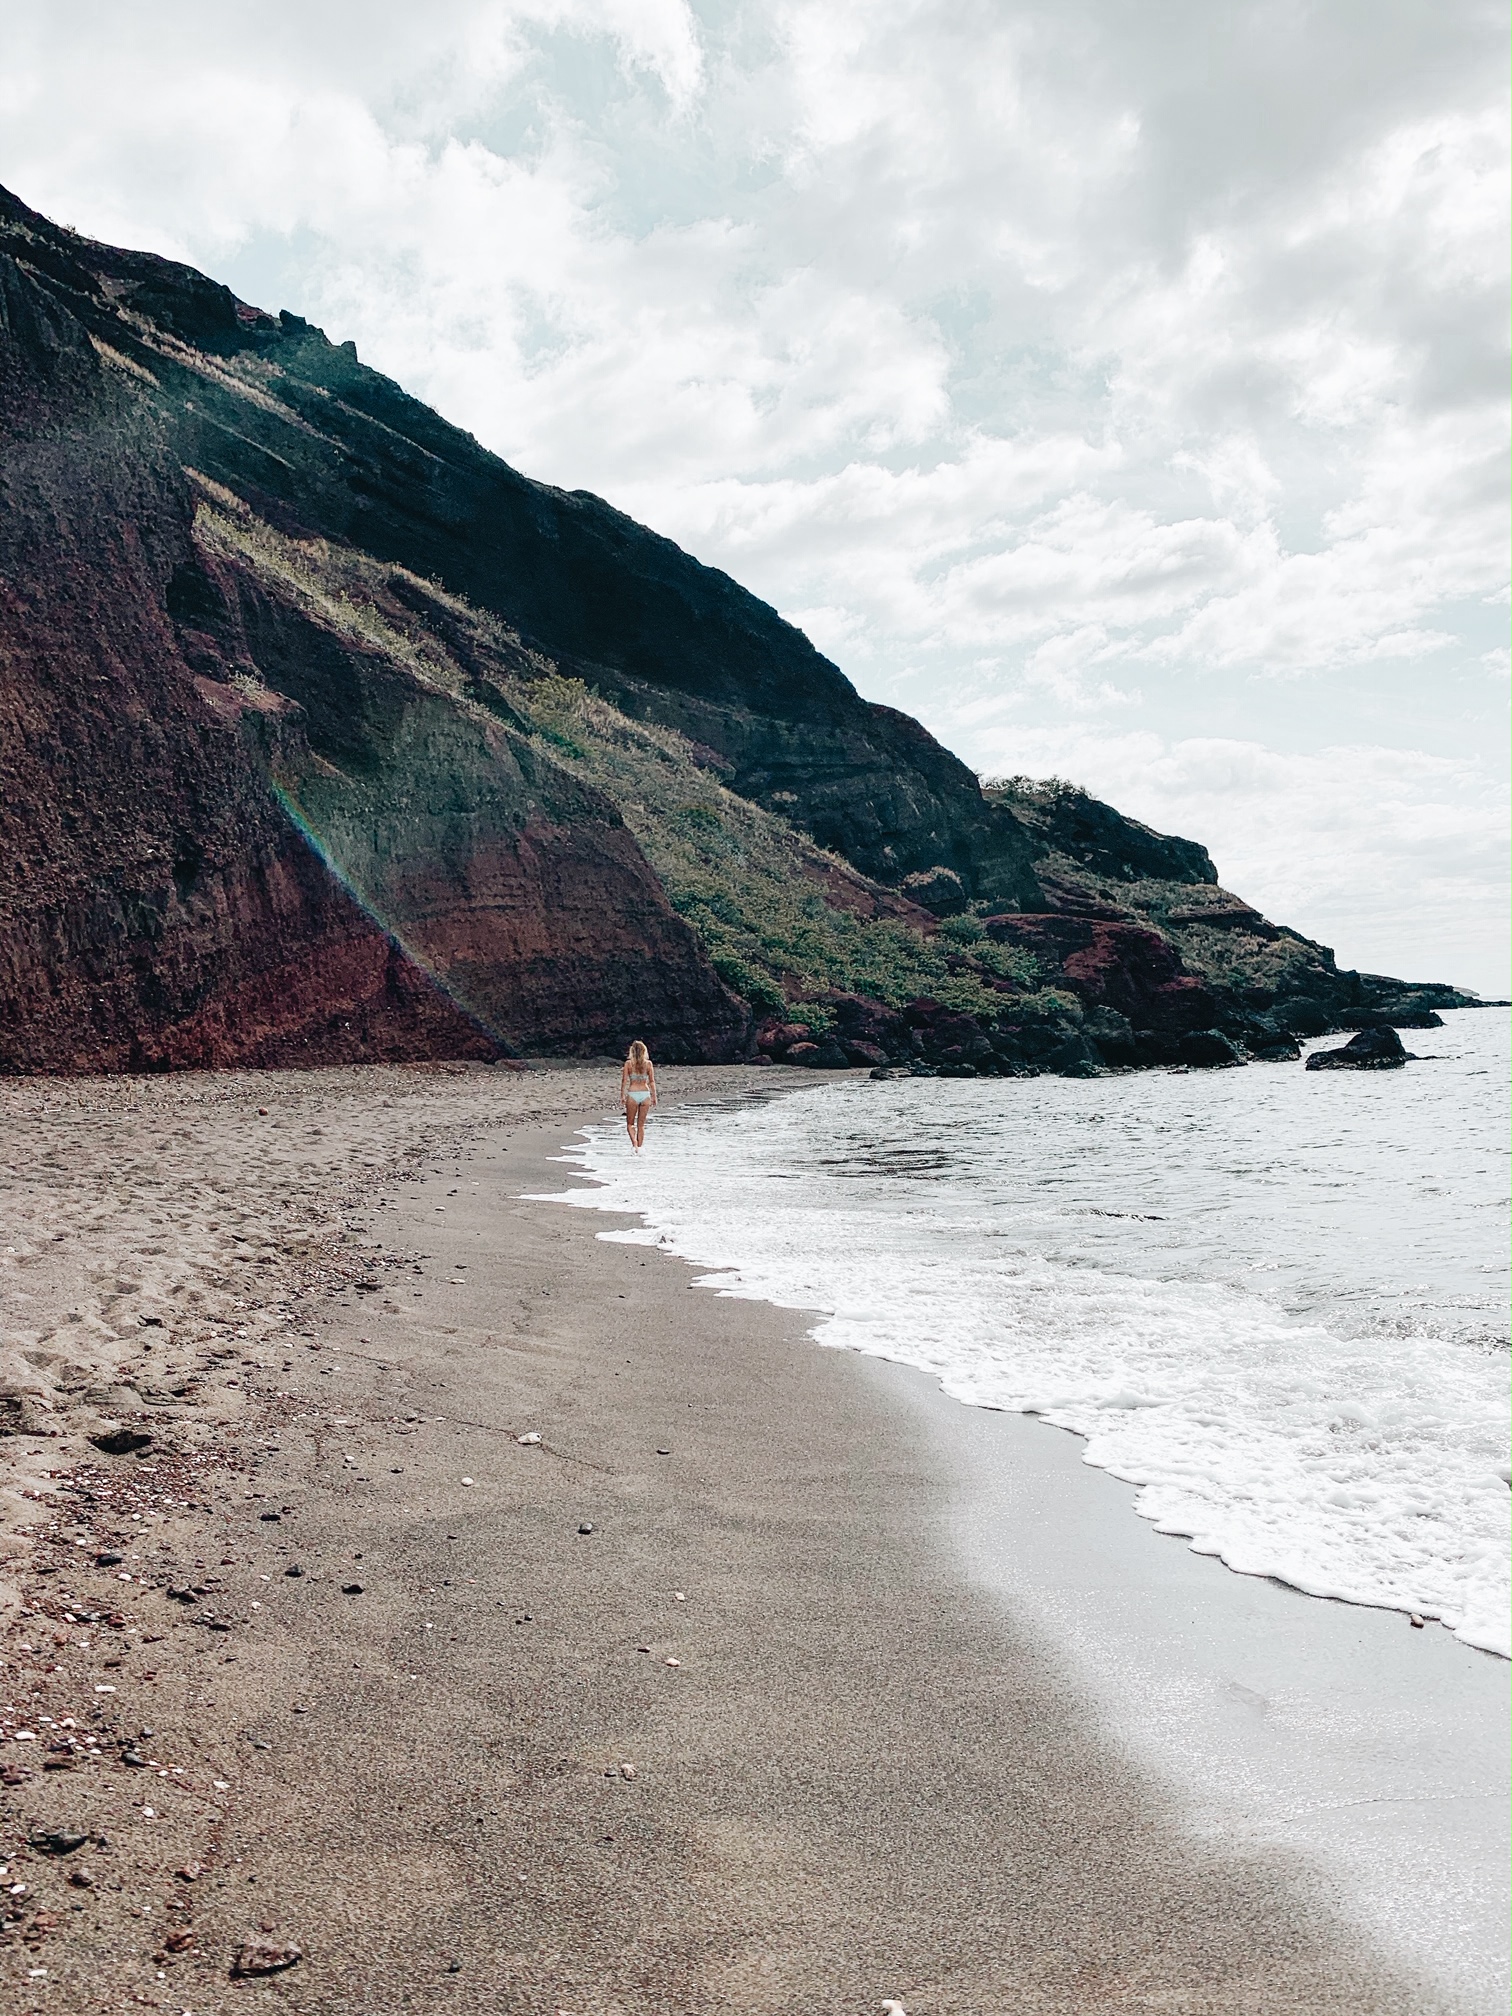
1376,1749
873,1773
1187,1351
1276,1717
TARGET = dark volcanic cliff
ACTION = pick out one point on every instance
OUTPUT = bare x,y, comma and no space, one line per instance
266,405
324,734
162,902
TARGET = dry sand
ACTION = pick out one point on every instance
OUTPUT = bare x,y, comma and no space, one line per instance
755,1743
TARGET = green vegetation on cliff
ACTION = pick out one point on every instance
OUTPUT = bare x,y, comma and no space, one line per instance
784,922
1086,852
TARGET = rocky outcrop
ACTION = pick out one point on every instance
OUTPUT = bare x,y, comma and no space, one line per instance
939,890
1028,1036
1101,844
1126,971
1272,983
1378,1049
1279,1050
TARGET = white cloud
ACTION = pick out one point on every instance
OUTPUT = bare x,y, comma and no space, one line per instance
1073,360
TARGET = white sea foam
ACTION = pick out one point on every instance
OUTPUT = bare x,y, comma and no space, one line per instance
1276,1302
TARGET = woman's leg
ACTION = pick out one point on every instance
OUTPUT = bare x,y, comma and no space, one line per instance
640,1122
630,1122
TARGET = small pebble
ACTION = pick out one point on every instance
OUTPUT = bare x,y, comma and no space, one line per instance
254,1960
586,1527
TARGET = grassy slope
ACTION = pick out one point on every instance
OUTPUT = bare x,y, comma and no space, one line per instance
784,921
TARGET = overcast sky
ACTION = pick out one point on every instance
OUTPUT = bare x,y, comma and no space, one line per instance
1118,385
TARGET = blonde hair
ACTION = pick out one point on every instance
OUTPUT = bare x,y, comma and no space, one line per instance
638,1053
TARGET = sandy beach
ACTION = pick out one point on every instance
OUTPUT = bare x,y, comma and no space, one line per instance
510,1625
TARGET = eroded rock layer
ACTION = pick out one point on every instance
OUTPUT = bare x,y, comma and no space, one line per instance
309,435
168,828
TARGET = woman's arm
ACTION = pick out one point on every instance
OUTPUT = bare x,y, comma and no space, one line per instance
651,1069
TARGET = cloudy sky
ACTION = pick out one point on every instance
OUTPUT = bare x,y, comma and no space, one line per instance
1119,385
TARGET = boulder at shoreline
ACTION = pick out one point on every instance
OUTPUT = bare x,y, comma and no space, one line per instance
1378,1049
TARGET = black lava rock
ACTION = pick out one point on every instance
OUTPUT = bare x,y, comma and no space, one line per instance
122,1441
1303,1017
1075,1058
1377,1049
1209,1049
938,889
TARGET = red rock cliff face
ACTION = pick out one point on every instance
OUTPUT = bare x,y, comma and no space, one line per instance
267,406
162,903
1109,963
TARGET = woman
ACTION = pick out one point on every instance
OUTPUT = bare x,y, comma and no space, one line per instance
637,1092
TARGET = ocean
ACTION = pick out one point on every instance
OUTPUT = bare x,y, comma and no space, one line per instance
1276,1302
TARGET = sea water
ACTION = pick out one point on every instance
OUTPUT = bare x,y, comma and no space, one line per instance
1274,1300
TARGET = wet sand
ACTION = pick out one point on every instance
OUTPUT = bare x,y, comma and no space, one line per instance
1376,1752
765,1739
